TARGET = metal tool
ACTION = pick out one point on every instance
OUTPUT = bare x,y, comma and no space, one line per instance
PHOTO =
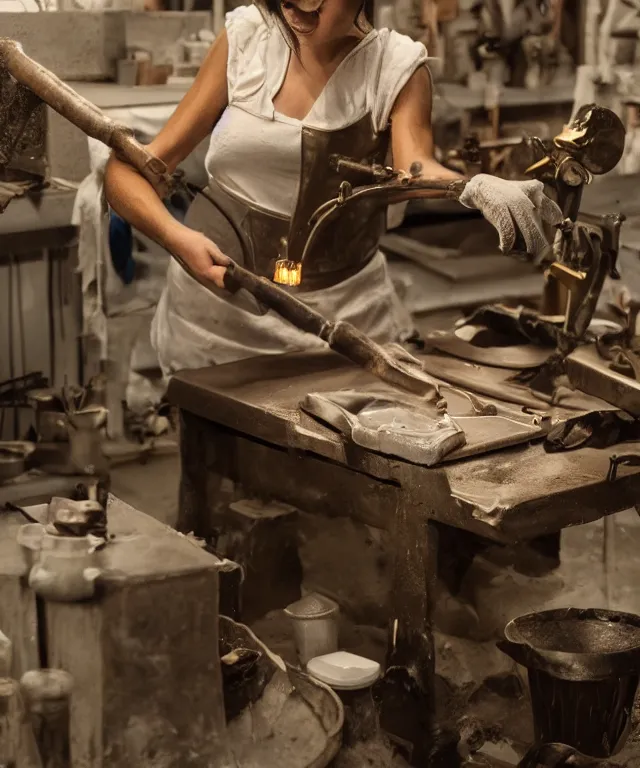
592,144
388,188
394,366
588,254
586,250
626,460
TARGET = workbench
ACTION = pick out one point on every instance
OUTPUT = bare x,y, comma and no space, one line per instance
244,436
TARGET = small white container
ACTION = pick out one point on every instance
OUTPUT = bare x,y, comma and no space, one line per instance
352,678
315,626
344,671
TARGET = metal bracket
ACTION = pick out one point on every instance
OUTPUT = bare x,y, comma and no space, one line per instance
626,460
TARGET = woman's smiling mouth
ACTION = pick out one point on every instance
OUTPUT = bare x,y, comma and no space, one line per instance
302,15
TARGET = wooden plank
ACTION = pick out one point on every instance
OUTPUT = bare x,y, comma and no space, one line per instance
407,690
525,493
18,616
242,398
268,472
50,210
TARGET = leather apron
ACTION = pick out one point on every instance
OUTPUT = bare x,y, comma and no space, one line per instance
345,277
342,251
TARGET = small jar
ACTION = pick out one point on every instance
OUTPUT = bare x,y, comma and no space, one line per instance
64,570
315,626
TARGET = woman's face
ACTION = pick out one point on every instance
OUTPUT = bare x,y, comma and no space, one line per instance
321,21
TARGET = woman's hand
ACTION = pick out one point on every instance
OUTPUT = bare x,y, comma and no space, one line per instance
201,256
512,207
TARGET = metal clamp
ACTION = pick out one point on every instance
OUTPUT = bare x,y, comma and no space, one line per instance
626,460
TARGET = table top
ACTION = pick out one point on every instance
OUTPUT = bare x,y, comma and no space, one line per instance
50,209
511,494
115,96
143,549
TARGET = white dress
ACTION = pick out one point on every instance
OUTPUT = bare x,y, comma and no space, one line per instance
255,155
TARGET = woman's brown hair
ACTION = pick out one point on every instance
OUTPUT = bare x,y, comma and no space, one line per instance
275,7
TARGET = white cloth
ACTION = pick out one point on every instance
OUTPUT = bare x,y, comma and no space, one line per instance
255,154
90,216
194,328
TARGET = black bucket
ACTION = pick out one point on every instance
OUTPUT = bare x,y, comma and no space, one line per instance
584,670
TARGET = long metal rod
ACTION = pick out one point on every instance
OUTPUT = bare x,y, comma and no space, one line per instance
609,559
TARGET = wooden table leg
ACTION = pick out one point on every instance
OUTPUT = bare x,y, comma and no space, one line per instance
205,491
192,476
407,691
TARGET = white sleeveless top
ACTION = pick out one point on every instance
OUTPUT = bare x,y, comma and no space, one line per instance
255,155
255,152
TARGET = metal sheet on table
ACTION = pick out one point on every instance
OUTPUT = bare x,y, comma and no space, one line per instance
588,371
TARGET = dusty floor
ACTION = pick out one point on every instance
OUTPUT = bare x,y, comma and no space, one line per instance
581,581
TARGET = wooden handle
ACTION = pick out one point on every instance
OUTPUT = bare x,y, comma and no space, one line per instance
277,299
342,337
83,114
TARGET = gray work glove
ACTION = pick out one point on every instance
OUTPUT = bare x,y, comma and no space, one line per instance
513,206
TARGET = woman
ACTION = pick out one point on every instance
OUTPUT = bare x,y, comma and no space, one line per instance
288,85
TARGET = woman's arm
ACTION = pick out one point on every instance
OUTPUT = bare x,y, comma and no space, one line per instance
512,207
128,193
411,134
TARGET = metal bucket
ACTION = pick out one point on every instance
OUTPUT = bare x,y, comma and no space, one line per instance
584,670
277,716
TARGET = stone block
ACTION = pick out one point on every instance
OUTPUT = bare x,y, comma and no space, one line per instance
144,653
262,539
91,44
